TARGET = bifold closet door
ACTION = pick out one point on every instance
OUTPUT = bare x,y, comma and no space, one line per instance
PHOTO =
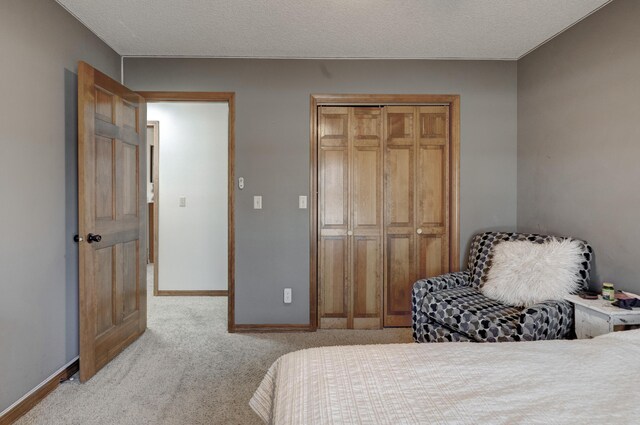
350,217
416,196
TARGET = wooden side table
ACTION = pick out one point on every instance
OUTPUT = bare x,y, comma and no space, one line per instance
598,317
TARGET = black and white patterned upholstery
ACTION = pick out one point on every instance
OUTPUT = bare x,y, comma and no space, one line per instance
451,307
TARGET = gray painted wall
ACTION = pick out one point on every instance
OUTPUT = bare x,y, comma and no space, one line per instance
272,152
579,139
40,45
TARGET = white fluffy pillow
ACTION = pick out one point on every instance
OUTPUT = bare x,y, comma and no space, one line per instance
524,273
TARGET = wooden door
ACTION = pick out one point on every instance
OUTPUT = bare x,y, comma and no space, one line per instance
416,193
365,236
350,217
333,216
400,222
112,205
432,191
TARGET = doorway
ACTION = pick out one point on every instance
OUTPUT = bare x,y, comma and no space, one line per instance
113,207
193,193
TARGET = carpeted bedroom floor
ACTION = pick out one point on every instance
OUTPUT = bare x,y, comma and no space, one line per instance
186,369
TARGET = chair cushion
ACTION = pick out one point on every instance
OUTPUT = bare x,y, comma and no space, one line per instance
468,311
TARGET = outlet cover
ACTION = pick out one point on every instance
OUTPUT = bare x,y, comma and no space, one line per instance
257,202
302,202
287,295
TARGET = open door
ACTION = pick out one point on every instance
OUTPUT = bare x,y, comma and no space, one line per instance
112,203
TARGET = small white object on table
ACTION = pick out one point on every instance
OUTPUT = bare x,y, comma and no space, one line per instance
598,317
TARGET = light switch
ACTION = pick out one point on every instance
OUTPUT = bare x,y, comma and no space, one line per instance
257,202
302,202
241,183
183,201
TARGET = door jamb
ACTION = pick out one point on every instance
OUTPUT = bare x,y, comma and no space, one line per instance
229,97
453,101
154,177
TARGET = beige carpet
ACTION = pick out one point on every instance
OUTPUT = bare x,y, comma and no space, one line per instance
186,369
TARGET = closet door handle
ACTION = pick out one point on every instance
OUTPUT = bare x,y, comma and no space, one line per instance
349,233
419,231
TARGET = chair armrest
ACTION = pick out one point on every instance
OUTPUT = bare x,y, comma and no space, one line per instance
546,320
438,283
444,281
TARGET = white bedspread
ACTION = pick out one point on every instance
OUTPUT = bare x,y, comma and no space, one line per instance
547,382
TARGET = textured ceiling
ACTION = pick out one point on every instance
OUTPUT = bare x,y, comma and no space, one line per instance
430,29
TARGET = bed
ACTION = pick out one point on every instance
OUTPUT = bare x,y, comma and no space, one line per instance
542,382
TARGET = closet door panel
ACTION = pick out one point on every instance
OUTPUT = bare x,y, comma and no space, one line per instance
366,126
400,272
333,216
399,198
333,170
333,126
432,257
433,168
432,188
367,279
334,189
399,233
333,281
399,182
366,221
366,171
400,125
367,193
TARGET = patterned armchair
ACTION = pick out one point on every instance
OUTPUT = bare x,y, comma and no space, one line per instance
451,307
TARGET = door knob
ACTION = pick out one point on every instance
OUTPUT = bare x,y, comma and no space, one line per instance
78,238
93,238
419,231
349,233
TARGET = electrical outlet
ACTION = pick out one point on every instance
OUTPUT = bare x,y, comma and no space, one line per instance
287,295
302,202
257,202
183,201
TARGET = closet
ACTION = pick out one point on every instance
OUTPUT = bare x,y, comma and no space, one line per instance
383,210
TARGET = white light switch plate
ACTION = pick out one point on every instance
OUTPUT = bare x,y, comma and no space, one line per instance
183,201
257,202
287,295
302,202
